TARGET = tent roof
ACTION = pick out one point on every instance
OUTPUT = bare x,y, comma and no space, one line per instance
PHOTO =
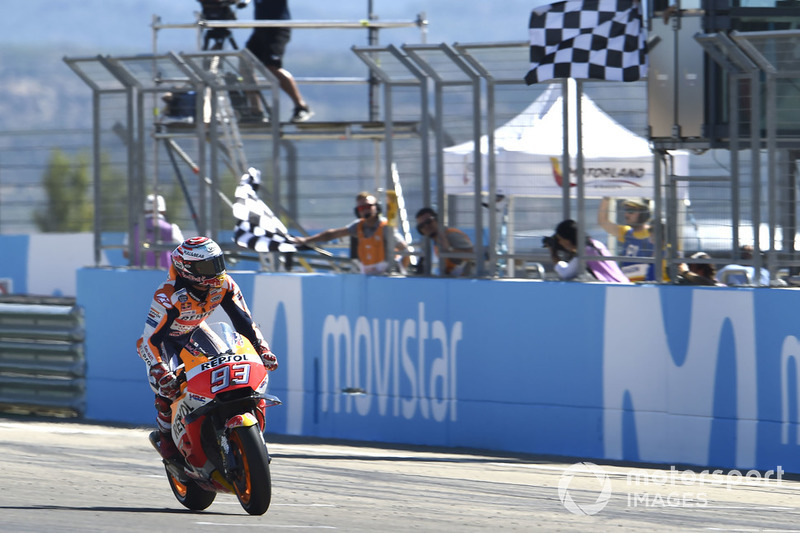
538,130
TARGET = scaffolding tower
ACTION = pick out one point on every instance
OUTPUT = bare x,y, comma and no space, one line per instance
209,111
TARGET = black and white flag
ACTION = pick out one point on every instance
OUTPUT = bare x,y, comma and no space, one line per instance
257,227
587,39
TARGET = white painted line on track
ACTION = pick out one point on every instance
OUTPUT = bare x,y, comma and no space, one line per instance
271,526
322,449
52,428
748,530
534,467
789,485
302,505
274,504
742,508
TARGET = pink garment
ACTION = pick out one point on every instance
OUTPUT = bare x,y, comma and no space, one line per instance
165,232
608,271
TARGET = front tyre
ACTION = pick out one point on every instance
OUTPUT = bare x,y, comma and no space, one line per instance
251,478
191,495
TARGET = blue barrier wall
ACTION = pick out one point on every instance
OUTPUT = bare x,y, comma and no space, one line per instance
44,264
666,374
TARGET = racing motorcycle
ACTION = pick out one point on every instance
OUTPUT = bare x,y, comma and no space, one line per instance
218,422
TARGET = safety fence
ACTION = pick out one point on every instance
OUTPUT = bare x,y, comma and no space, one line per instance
459,129
42,363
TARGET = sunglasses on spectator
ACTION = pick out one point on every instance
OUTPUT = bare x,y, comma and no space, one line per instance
424,224
365,207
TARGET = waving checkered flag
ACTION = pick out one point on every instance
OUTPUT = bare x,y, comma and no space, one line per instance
257,227
587,39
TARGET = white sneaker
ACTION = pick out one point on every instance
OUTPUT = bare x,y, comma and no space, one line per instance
301,114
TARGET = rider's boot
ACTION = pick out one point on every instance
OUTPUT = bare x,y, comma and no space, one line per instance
163,443
162,438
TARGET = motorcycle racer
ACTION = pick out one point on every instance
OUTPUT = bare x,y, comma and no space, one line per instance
196,285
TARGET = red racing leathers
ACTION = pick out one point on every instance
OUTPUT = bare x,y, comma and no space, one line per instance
177,309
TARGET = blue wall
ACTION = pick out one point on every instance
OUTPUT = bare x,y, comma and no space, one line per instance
14,263
668,374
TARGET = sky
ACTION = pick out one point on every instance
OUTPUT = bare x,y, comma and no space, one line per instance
126,24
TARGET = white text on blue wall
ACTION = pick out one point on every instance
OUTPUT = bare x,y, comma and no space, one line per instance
410,361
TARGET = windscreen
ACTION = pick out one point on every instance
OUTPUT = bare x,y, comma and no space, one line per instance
214,339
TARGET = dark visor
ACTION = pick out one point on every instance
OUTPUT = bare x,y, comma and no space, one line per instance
209,268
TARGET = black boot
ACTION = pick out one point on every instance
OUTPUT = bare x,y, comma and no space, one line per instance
163,443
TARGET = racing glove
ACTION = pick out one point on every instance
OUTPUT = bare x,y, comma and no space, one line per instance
267,357
164,381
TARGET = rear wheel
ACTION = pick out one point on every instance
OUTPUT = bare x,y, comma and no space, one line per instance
190,494
251,479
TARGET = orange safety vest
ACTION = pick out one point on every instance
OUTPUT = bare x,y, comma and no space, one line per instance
371,250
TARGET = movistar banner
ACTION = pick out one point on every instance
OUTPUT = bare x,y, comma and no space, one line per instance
670,374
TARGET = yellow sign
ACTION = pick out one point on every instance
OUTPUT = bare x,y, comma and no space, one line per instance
391,208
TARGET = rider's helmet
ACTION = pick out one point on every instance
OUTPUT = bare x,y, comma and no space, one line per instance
200,261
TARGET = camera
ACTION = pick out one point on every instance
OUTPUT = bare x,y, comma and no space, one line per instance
551,242
559,252
221,9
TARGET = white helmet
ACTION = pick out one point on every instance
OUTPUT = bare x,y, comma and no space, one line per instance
156,199
200,261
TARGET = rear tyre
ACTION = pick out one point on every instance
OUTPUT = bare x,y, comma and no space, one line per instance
251,479
191,495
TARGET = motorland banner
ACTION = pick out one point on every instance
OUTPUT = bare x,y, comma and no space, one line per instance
520,173
528,153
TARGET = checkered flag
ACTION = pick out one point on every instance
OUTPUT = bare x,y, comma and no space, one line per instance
587,39
257,227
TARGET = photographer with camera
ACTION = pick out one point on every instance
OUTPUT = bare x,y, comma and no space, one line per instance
564,254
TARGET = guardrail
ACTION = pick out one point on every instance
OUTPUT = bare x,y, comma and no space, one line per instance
42,363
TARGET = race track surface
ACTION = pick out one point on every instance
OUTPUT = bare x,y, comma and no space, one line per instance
63,476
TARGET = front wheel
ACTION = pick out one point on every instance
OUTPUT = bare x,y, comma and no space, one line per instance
251,478
190,494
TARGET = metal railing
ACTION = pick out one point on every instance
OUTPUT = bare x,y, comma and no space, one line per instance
454,105
42,363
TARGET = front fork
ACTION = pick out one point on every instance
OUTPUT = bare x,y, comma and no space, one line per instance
250,418
229,460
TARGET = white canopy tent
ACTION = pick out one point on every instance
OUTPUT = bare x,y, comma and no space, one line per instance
529,147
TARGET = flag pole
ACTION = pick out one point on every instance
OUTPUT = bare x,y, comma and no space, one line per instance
565,155
581,207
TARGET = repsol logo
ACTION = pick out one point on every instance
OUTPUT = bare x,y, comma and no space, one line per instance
405,366
178,429
223,359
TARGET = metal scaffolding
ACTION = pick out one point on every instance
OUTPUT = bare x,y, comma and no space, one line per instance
423,99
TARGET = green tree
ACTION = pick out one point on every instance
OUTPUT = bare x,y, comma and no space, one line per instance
66,182
113,207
